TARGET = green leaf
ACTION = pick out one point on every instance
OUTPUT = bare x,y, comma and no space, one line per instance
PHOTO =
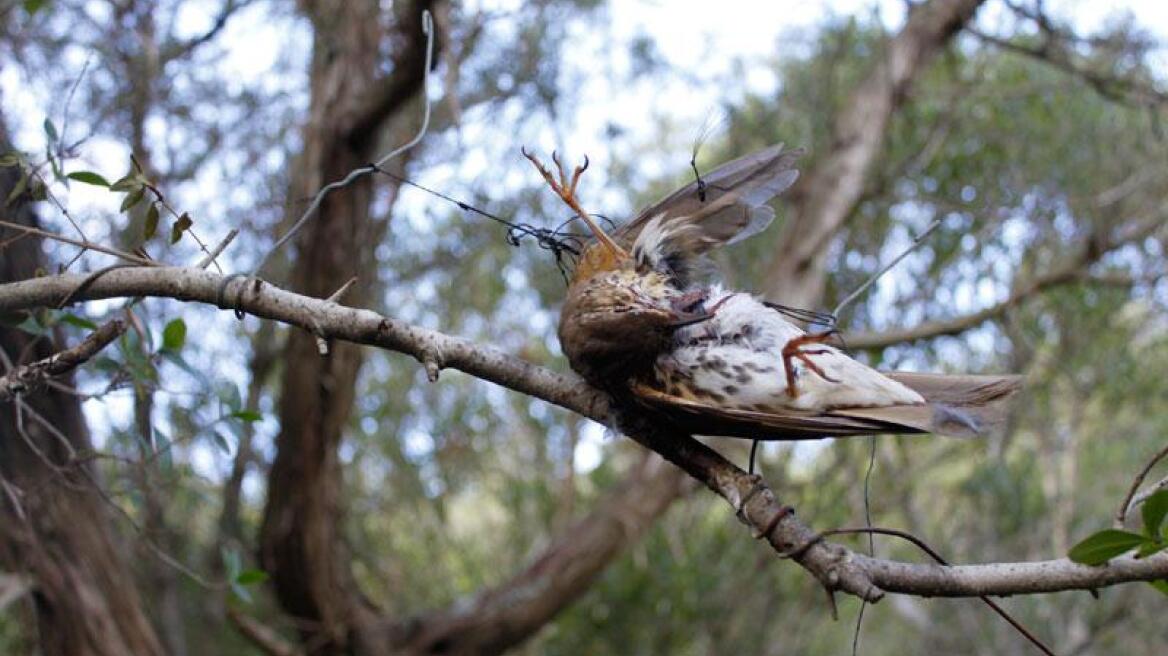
18,188
182,225
1101,547
1150,547
247,415
151,221
232,563
128,183
174,335
164,447
31,7
51,131
1161,585
74,320
31,326
133,198
221,441
89,177
1154,509
241,592
229,395
10,158
251,577
37,190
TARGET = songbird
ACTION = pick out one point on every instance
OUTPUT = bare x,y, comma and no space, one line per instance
640,322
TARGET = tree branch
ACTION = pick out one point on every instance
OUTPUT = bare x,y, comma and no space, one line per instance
837,567
1121,90
26,377
1072,269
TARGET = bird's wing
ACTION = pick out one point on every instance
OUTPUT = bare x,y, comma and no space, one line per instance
957,406
728,205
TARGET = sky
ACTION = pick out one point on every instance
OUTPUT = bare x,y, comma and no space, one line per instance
712,42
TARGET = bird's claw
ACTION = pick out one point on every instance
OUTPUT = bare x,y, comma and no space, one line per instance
565,188
793,350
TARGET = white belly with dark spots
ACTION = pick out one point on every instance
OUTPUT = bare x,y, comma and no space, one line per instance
735,360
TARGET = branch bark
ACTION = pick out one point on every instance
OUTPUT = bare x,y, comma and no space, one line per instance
837,567
26,377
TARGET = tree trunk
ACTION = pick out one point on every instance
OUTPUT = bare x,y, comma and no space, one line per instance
300,538
56,528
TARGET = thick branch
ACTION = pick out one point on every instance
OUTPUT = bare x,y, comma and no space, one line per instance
837,567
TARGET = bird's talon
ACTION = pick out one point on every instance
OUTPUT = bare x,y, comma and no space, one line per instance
793,350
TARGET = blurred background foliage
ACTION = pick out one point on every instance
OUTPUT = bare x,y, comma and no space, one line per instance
451,487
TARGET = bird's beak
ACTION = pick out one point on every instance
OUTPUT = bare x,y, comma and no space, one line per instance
688,309
683,320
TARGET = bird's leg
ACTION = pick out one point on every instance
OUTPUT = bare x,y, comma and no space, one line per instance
794,350
565,188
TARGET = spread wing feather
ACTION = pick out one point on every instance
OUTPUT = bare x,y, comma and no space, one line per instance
731,206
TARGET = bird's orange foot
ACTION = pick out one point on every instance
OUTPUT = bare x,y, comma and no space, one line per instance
794,351
565,188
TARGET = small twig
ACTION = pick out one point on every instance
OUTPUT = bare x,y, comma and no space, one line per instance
218,250
1121,514
1143,496
65,212
81,243
26,377
14,494
335,297
161,200
261,635
428,29
885,269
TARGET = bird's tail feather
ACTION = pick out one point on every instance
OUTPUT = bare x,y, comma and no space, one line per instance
957,405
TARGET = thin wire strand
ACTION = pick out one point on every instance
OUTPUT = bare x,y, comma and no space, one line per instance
560,243
885,269
428,29
871,536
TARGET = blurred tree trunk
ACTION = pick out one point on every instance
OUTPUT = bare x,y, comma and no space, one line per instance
352,107
56,529
829,192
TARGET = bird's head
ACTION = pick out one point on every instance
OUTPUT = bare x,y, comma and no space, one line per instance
616,321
